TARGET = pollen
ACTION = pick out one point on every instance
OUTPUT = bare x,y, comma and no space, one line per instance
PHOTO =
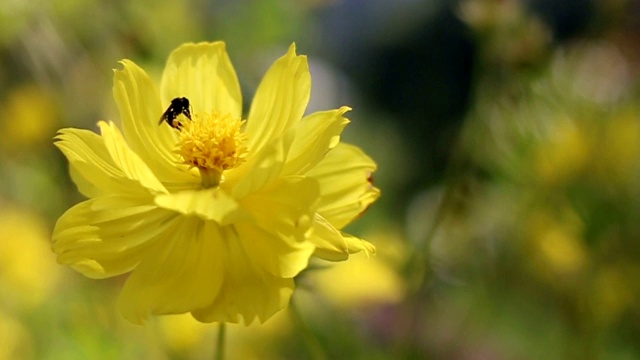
212,142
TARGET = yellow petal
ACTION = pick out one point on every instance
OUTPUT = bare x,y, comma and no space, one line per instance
140,109
86,187
330,245
278,254
316,134
276,239
355,245
333,245
261,170
107,236
203,74
280,100
247,290
128,161
94,170
209,204
181,272
346,191
90,164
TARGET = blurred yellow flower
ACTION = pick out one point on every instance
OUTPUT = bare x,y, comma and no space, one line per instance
561,251
362,280
182,333
189,339
561,156
618,159
373,280
557,242
16,340
30,116
28,274
612,291
211,214
262,341
186,338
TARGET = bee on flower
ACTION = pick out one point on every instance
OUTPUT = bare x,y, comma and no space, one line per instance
179,106
215,214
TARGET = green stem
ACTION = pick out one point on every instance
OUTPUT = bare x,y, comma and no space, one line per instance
310,340
220,347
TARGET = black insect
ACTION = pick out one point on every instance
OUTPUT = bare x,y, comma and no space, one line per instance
178,106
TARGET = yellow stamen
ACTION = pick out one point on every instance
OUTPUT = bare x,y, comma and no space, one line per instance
212,142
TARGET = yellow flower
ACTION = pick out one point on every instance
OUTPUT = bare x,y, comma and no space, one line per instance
28,274
211,214
37,113
563,155
17,342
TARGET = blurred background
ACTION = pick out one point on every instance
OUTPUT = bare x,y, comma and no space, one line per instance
507,135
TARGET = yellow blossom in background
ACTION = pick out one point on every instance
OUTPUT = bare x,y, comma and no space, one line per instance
561,250
16,340
261,342
563,155
212,214
366,280
28,274
613,291
362,281
37,114
187,338
557,244
618,158
181,333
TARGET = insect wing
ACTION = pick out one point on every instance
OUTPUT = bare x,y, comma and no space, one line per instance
165,116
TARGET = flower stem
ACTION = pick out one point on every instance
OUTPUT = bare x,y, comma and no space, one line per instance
220,347
310,340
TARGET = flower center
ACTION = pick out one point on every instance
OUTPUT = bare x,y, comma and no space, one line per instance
212,142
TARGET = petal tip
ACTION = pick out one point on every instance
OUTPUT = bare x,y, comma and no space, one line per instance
292,49
203,47
344,109
125,63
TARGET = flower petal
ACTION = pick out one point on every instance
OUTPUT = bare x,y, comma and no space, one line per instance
91,166
280,255
107,236
128,161
181,272
209,204
283,214
280,100
203,74
261,170
247,289
140,109
105,165
330,245
355,245
333,245
346,191
316,134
